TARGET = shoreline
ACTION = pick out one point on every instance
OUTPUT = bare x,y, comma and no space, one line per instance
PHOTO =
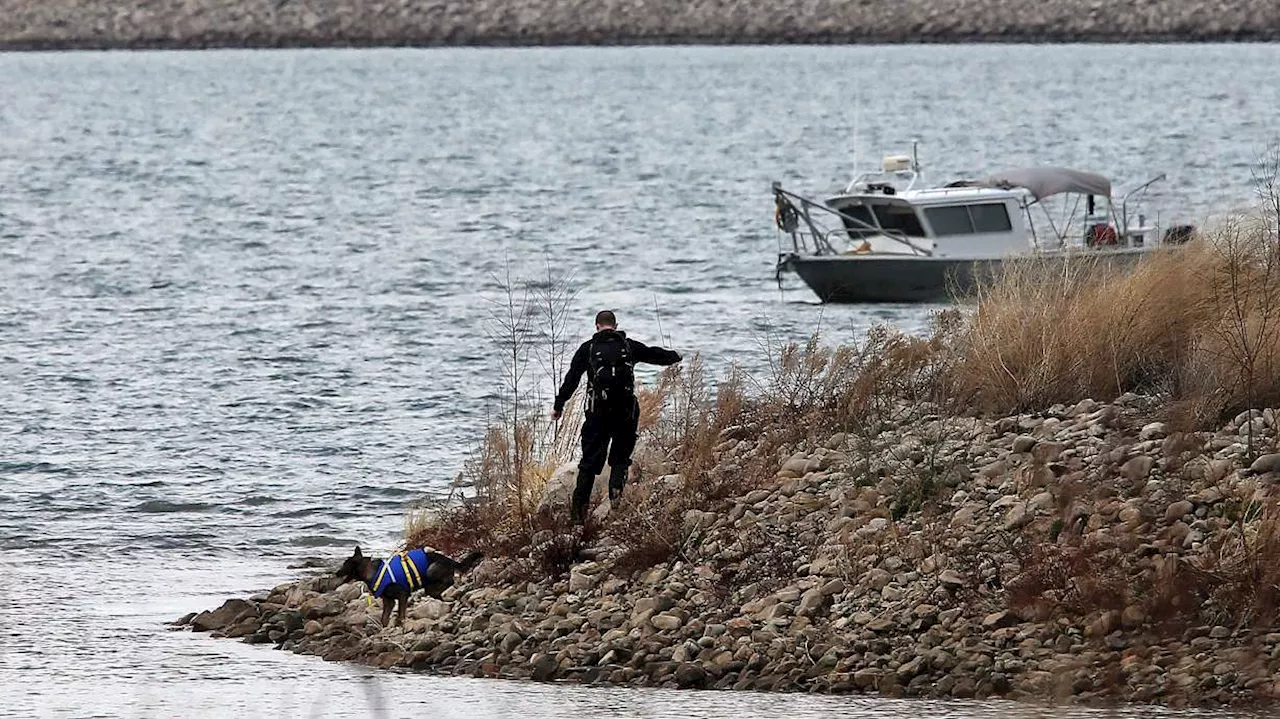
852,585
174,24
305,43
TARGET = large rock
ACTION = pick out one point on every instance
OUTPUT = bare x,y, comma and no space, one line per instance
794,466
231,611
812,601
867,678
1153,430
1178,510
1132,617
1137,468
666,622
584,576
999,620
429,608
558,494
1017,516
690,675
1265,464
544,667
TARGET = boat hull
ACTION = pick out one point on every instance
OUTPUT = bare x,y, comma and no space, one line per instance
888,278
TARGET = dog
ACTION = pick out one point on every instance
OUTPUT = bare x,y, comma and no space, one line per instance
400,575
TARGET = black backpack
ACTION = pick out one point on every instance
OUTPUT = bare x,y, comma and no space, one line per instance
611,380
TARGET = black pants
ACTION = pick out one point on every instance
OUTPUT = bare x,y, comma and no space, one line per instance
607,433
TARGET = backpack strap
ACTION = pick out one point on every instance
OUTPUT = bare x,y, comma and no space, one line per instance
589,400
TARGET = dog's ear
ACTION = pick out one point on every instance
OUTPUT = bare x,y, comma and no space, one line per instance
357,555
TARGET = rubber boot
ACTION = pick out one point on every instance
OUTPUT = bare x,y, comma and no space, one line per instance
617,481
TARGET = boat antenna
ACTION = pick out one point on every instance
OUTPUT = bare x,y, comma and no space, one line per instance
857,112
915,155
662,336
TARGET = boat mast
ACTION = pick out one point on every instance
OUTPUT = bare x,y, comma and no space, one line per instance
857,113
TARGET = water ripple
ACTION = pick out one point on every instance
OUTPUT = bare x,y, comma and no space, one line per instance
159,506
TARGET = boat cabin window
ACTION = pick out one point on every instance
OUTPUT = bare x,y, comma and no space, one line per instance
899,218
863,214
969,219
992,217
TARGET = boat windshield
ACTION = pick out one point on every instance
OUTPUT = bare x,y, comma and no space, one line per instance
899,218
865,225
862,221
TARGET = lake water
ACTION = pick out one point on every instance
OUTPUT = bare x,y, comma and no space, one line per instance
245,300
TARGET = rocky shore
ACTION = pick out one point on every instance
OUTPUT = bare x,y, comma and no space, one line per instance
84,24
1083,554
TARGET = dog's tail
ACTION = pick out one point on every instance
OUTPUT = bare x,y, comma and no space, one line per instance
470,561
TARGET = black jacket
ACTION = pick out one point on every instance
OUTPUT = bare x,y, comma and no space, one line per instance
639,353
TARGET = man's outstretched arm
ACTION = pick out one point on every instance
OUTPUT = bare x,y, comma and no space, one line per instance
653,355
577,366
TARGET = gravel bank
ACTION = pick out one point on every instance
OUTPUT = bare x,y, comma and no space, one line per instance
87,24
1082,554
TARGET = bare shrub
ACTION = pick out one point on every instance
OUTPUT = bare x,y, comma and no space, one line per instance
1071,579
1239,574
1234,581
1235,358
520,449
649,526
770,559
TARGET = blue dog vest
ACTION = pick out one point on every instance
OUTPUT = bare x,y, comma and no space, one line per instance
408,569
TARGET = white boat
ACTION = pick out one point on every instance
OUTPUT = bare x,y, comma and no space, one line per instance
887,239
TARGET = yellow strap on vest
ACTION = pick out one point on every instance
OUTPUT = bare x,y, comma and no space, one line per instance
411,573
386,567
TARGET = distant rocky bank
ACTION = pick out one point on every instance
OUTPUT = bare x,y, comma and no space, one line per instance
1083,554
97,24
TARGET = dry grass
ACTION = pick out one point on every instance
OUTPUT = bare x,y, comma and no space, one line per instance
1044,335
1237,580
1198,326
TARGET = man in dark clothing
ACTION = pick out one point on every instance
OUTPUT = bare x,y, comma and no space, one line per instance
612,412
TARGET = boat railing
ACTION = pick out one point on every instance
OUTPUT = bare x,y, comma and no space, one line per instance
989,191
910,177
788,217
1124,202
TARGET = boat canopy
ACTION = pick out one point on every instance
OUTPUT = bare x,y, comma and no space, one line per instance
1045,182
